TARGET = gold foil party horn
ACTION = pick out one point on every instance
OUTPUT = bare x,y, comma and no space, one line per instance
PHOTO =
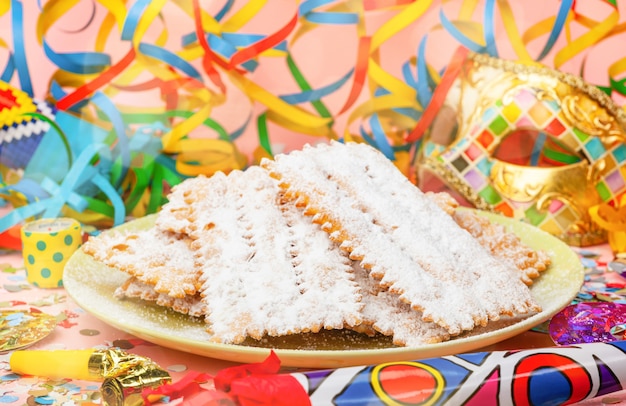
125,389
124,375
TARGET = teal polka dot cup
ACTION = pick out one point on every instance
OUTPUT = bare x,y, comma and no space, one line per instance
47,244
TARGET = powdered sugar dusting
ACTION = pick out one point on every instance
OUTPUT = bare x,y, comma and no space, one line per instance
405,239
267,270
159,258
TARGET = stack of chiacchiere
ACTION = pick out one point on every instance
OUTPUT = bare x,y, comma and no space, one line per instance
328,237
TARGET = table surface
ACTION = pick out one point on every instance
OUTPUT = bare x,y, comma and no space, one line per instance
77,329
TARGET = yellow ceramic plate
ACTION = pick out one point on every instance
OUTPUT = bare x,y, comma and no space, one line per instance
92,284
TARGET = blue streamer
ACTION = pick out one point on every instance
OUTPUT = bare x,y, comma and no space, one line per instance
537,149
408,75
108,108
78,62
406,111
50,207
73,200
31,190
132,18
243,40
220,14
424,93
366,136
226,49
332,18
17,15
559,22
380,138
237,133
309,5
235,39
490,30
119,209
316,94
458,35
169,58
9,69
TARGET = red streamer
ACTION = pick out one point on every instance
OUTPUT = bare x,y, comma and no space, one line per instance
88,88
246,385
253,50
439,95
360,72
209,57
369,5
11,238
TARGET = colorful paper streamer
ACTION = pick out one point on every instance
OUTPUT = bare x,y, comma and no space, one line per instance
127,49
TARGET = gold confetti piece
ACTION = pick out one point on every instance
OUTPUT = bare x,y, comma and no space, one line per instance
19,329
610,400
38,392
89,332
123,344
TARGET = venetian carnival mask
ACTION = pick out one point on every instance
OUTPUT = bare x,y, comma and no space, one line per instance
529,142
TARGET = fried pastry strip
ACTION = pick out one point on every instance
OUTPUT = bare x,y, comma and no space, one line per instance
161,259
404,239
133,288
497,239
265,268
385,313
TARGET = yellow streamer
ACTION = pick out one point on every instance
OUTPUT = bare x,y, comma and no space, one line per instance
538,30
400,21
467,9
292,113
117,10
586,40
5,6
52,10
388,81
149,14
171,139
512,31
243,15
299,128
374,105
617,68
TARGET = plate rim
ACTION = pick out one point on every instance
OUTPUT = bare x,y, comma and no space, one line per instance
333,358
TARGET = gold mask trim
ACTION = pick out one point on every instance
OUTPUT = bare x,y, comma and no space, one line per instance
555,198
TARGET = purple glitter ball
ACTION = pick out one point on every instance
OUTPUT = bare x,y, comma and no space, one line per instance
590,322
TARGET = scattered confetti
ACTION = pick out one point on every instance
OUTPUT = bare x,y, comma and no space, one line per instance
588,323
123,344
6,268
50,300
44,400
610,400
89,332
20,329
8,399
39,392
16,288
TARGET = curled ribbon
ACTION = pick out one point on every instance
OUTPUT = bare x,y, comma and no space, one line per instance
217,56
